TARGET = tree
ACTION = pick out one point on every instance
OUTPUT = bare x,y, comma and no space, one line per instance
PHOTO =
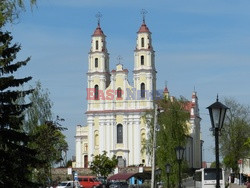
102,165
172,121
213,165
49,142
16,158
10,10
47,135
235,134
40,111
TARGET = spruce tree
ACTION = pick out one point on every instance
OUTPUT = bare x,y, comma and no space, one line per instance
17,160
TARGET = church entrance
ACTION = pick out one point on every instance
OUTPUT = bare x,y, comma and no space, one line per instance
85,161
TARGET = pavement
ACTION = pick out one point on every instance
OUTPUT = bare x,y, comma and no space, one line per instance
232,185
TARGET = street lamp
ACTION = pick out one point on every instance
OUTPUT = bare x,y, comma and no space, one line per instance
158,175
168,168
217,112
179,154
73,174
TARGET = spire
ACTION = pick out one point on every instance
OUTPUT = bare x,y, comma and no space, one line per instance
166,88
194,97
166,92
143,12
98,31
98,16
143,28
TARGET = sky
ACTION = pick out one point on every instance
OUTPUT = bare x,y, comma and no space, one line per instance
200,45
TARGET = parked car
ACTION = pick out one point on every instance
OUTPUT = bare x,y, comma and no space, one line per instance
69,184
89,181
118,184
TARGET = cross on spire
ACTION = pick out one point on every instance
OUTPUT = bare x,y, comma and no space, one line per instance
98,16
119,59
166,83
143,12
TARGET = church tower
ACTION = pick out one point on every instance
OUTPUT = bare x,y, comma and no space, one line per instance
144,67
98,71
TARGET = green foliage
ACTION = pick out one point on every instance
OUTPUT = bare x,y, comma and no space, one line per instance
102,165
172,122
10,10
17,159
47,137
235,135
40,112
213,165
49,143
69,163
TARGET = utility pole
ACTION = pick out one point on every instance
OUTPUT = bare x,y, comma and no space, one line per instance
154,148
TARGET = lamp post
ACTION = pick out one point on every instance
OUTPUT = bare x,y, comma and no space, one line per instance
168,168
158,175
179,154
73,174
217,112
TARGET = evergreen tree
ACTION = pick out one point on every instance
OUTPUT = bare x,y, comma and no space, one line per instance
16,158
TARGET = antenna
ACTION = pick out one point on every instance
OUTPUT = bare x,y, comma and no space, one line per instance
166,83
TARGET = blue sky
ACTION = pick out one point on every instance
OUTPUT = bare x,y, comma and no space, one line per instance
201,44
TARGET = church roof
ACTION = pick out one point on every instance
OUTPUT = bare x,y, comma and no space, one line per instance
143,28
165,90
98,31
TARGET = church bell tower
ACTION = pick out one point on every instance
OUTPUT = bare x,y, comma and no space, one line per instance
144,67
98,69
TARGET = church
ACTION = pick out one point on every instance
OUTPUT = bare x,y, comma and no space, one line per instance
115,108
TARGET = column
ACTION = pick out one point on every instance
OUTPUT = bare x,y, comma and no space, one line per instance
78,152
108,137
137,142
130,142
102,137
91,139
125,134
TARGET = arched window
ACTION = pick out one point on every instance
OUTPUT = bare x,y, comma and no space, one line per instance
119,134
142,42
96,45
142,60
119,93
96,62
96,92
142,90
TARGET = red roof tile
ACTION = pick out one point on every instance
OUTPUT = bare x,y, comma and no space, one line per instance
98,31
143,29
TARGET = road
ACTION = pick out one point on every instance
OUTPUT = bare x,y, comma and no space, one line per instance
188,183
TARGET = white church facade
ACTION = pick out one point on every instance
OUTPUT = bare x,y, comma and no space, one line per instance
115,109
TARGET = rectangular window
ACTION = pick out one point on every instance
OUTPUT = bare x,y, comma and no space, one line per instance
142,42
96,45
96,62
